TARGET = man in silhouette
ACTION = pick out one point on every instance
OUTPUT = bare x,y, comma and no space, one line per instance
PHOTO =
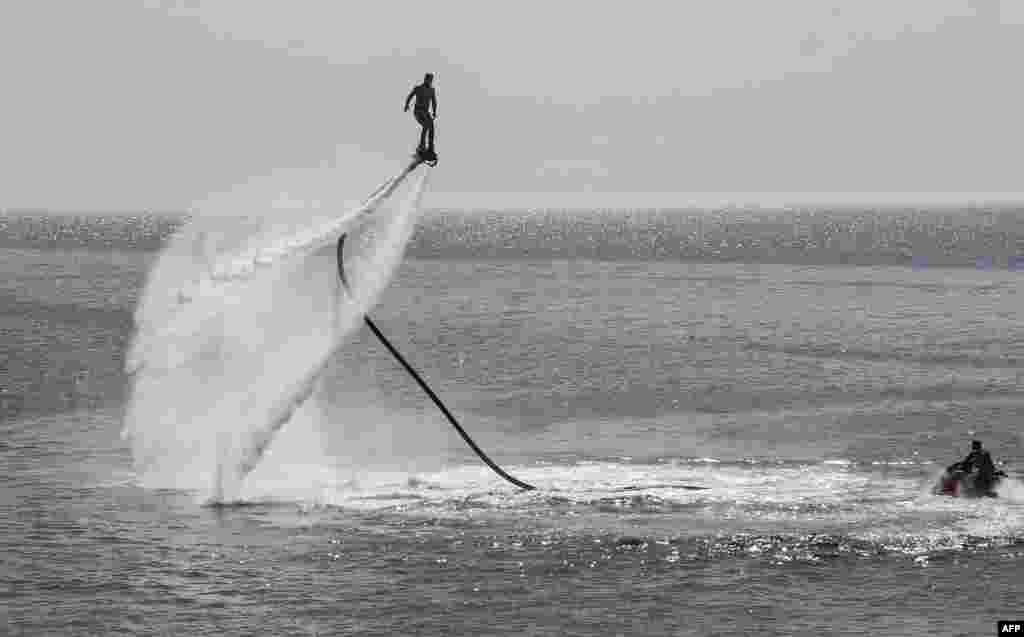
979,460
426,101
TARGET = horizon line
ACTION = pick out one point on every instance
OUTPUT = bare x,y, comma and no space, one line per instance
704,201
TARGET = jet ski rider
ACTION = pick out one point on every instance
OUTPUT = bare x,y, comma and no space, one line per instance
979,460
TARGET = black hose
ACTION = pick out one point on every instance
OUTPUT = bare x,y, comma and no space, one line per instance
437,401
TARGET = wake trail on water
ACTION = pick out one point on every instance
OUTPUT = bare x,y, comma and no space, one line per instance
238,320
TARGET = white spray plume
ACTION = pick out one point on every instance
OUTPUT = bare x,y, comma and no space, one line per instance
239,317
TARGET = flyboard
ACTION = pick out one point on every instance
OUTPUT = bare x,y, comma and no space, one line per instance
427,156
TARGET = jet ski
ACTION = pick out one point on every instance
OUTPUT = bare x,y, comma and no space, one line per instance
955,481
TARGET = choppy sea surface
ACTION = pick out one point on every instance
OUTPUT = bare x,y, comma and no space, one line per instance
733,419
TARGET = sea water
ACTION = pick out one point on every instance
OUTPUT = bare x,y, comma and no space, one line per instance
733,420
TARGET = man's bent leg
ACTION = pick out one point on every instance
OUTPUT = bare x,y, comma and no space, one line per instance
425,132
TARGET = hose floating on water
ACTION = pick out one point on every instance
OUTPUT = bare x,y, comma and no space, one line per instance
437,401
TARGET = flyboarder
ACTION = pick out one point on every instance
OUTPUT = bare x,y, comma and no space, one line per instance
425,111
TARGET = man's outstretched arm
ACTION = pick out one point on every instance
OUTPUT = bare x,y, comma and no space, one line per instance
409,98
433,103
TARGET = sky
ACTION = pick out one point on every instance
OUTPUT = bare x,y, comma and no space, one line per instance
127,105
